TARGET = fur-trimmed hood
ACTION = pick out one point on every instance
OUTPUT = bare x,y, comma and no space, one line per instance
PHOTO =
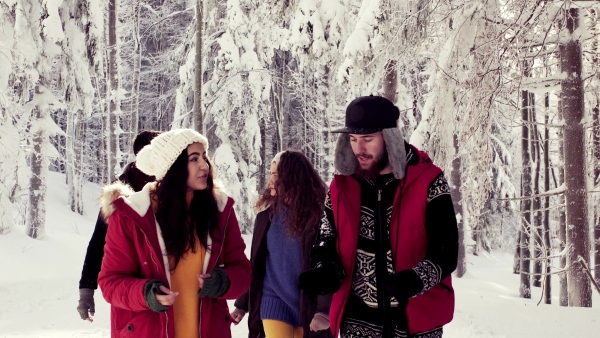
140,201
345,161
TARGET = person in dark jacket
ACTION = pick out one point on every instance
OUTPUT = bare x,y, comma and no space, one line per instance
284,232
95,251
388,241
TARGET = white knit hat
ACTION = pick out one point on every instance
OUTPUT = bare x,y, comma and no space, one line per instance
156,158
277,157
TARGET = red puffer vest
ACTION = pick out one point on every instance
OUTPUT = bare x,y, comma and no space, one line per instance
408,239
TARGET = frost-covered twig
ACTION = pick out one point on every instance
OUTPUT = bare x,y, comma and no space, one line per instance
557,272
558,191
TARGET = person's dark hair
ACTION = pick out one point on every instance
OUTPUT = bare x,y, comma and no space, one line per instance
301,189
178,223
143,139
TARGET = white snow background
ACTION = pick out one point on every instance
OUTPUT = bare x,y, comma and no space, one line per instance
39,287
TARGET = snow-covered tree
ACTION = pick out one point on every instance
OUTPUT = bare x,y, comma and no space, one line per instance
113,95
76,68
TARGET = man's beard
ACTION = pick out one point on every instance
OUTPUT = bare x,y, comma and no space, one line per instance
374,169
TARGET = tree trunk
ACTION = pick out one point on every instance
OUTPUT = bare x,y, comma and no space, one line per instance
217,10
390,81
197,119
562,218
455,184
74,152
112,123
525,254
137,66
517,257
546,224
265,164
8,172
70,156
39,171
278,98
596,147
578,243
537,202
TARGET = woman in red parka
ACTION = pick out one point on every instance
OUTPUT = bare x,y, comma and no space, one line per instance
174,252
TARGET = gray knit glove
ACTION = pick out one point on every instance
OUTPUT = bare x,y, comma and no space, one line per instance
151,288
86,303
216,285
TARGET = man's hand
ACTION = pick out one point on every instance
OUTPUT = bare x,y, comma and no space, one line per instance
86,307
404,285
237,315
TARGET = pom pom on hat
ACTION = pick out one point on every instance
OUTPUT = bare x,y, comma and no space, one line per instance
157,158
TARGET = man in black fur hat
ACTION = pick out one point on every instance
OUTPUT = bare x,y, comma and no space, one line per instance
388,242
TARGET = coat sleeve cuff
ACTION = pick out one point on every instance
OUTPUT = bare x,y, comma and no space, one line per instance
242,302
429,273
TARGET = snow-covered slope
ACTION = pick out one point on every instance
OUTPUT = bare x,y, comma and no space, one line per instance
39,287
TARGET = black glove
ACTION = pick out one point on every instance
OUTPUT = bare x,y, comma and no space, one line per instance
404,285
327,272
216,285
86,305
321,281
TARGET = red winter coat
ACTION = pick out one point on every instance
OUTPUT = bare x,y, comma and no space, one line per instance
132,256
426,311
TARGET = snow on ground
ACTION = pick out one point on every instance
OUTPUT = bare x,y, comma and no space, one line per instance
39,287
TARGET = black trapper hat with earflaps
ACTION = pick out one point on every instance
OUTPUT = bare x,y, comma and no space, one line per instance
368,115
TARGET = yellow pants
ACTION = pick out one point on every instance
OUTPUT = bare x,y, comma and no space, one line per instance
278,329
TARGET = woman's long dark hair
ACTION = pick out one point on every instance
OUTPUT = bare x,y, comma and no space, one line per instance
177,223
301,189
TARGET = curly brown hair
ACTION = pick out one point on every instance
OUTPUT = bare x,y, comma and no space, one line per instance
301,189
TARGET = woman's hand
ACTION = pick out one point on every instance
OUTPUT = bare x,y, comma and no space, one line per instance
201,278
168,298
319,322
213,284
237,315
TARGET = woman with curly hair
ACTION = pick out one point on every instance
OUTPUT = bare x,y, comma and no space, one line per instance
174,252
284,231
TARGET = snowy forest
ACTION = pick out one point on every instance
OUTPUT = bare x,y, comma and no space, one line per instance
503,95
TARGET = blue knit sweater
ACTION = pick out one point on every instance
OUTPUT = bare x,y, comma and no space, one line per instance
281,295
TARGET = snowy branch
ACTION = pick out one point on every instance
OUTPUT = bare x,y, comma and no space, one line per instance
165,18
558,191
582,261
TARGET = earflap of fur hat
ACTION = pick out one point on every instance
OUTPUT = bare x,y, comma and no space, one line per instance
394,143
144,162
345,161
